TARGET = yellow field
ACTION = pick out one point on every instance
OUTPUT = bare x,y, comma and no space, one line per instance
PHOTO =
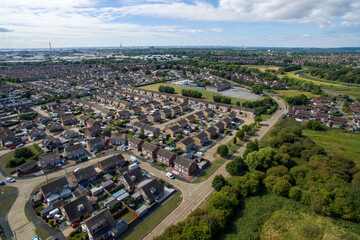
263,67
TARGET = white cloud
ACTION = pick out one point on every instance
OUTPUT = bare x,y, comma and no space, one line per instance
216,29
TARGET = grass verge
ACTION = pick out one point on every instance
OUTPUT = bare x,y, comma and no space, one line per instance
27,214
209,171
6,204
155,218
42,233
6,189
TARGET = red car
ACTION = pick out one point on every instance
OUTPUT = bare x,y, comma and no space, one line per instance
75,224
12,147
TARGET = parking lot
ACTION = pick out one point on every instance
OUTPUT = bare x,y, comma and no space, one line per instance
239,92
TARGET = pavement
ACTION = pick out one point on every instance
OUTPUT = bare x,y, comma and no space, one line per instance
193,194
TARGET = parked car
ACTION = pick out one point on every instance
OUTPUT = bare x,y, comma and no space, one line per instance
170,175
78,169
9,179
75,224
12,147
59,217
20,145
2,183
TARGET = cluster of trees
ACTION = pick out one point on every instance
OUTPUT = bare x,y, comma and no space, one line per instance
297,100
290,68
335,72
222,99
258,88
302,85
20,156
166,89
191,93
206,223
266,105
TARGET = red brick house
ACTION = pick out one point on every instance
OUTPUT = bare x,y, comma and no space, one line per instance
135,143
149,149
166,156
185,166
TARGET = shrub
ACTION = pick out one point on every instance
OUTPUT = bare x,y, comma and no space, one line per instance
222,150
295,193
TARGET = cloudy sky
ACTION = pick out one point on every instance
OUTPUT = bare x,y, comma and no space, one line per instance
107,23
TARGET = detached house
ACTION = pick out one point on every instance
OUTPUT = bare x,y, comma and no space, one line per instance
185,166
151,190
74,151
109,164
96,144
131,178
54,187
77,210
149,149
49,159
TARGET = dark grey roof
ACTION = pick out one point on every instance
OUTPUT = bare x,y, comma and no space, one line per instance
188,141
58,183
74,210
118,159
81,174
165,153
149,146
46,156
132,177
152,190
183,161
103,218
27,166
135,140
72,148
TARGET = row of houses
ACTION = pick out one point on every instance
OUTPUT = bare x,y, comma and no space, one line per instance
150,150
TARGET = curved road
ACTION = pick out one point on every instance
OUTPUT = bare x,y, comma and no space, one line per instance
193,194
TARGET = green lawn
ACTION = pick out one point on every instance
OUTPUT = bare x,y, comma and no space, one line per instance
273,217
155,218
291,93
209,171
42,233
206,95
6,204
262,67
234,147
6,158
126,216
6,189
337,142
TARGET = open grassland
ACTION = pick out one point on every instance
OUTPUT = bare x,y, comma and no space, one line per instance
263,67
206,95
205,174
291,93
337,142
42,233
331,87
6,189
155,218
273,217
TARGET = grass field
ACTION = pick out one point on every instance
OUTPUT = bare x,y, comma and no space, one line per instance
6,204
6,189
209,171
126,216
337,142
273,217
42,233
155,218
263,67
291,93
6,158
206,95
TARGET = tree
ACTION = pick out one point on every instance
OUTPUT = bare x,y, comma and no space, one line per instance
315,125
24,116
282,187
295,193
240,134
142,135
107,132
251,147
23,153
219,182
258,119
234,140
222,150
236,167
262,159
246,128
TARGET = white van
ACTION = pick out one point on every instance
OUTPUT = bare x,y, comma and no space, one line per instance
52,213
133,166
134,159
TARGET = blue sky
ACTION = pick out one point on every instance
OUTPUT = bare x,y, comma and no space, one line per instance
105,23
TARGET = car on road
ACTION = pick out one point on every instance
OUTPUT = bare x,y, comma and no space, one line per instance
134,159
12,147
265,124
2,183
170,175
20,145
78,169
9,179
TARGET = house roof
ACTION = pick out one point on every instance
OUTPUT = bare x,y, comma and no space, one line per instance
151,128
27,166
165,153
94,129
84,173
183,161
73,148
97,140
70,134
132,177
149,146
58,183
119,136
103,218
78,208
187,141
201,135
116,159
139,124
175,128
211,130
152,190
135,140
46,156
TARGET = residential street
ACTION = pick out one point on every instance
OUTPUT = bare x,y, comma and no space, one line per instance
193,194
